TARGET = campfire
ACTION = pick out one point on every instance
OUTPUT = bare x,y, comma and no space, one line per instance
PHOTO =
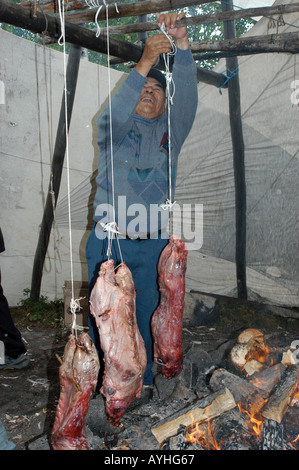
245,408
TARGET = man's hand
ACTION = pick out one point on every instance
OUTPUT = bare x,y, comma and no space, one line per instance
160,44
154,46
180,35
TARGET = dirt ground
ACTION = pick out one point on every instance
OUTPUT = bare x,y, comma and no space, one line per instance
28,398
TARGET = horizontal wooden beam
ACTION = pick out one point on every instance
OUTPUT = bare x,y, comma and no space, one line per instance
51,6
207,18
285,42
132,9
39,23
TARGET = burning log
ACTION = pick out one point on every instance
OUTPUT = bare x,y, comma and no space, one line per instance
200,412
246,394
282,395
267,379
181,442
230,431
253,366
250,352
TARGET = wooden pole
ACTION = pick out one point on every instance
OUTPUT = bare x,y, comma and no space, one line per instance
238,158
209,18
284,42
22,17
142,35
132,9
56,170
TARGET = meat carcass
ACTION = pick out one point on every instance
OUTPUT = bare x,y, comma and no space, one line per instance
167,320
78,375
113,305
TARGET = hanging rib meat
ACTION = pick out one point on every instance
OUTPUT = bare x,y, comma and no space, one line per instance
167,321
78,375
112,303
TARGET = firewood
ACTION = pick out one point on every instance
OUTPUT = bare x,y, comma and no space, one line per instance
253,366
244,393
240,388
250,346
249,335
283,394
231,431
268,378
238,354
200,412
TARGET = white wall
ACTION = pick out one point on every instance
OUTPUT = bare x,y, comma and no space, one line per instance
31,79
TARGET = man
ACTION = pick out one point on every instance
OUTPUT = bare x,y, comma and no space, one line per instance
13,353
139,182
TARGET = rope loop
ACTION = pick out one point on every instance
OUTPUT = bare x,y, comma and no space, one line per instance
110,227
231,75
168,205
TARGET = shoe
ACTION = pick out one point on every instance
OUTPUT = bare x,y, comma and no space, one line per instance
145,397
20,362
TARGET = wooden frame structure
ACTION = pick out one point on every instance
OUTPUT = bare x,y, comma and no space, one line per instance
40,16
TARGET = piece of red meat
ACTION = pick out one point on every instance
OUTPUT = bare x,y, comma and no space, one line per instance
78,377
113,305
167,320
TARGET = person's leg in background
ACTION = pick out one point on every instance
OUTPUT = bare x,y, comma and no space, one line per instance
14,348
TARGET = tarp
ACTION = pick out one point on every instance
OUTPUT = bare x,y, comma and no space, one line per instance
206,177
31,79
33,89
270,117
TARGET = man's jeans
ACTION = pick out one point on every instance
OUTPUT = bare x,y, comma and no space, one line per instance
141,257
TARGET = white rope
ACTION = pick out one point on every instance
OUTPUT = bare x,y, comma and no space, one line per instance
61,42
168,205
169,80
95,3
96,21
109,227
113,231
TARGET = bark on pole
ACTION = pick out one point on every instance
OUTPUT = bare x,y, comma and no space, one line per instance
56,170
16,15
238,158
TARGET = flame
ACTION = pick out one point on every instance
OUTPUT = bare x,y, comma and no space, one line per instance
257,382
206,438
295,398
256,421
291,443
260,352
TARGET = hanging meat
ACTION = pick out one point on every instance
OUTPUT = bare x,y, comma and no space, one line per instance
78,375
167,321
113,305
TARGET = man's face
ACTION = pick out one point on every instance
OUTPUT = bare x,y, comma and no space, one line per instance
152,99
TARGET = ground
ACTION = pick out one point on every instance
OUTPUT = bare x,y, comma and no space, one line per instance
29,397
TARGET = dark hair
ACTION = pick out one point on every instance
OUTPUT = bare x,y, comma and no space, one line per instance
154,73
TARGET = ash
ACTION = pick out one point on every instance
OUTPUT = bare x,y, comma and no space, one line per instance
29,398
